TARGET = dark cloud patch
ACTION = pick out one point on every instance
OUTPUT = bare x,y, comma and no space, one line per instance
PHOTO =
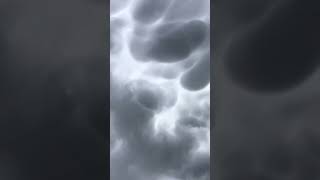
59,153
177,42
243,12
152,97
278,52
168,42
136,112
198,168
189,9
138,45
192,122
53,91
233,15
199,75
147,96
134,120
148,99
266,90
279,160
148,11
267,136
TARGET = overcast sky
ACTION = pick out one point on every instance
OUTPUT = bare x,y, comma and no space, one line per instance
160,89
266,61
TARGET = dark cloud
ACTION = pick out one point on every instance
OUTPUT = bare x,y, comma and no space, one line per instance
138,45
169,42
261,57
198,168
199,75
174,42
150,96
53,90
270,135
189,9
233,15
192,122
148,11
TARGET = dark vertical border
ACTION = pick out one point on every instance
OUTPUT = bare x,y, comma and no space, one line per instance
108,83
46,131
212,114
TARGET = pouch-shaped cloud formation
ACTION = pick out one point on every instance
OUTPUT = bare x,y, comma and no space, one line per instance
160,90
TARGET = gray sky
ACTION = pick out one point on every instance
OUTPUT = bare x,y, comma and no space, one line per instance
160,90
267,89
53,90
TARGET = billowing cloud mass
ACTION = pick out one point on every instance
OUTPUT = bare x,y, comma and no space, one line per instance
160,90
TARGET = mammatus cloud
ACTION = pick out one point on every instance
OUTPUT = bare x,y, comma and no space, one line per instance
266,59
160,90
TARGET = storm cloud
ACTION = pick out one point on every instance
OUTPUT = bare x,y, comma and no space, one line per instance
53,90
160,90
267,90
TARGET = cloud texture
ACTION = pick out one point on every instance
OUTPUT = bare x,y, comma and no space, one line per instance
160,90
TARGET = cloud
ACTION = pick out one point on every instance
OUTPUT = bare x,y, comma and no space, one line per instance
267,116
149,11
53,90
199,75
160,128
